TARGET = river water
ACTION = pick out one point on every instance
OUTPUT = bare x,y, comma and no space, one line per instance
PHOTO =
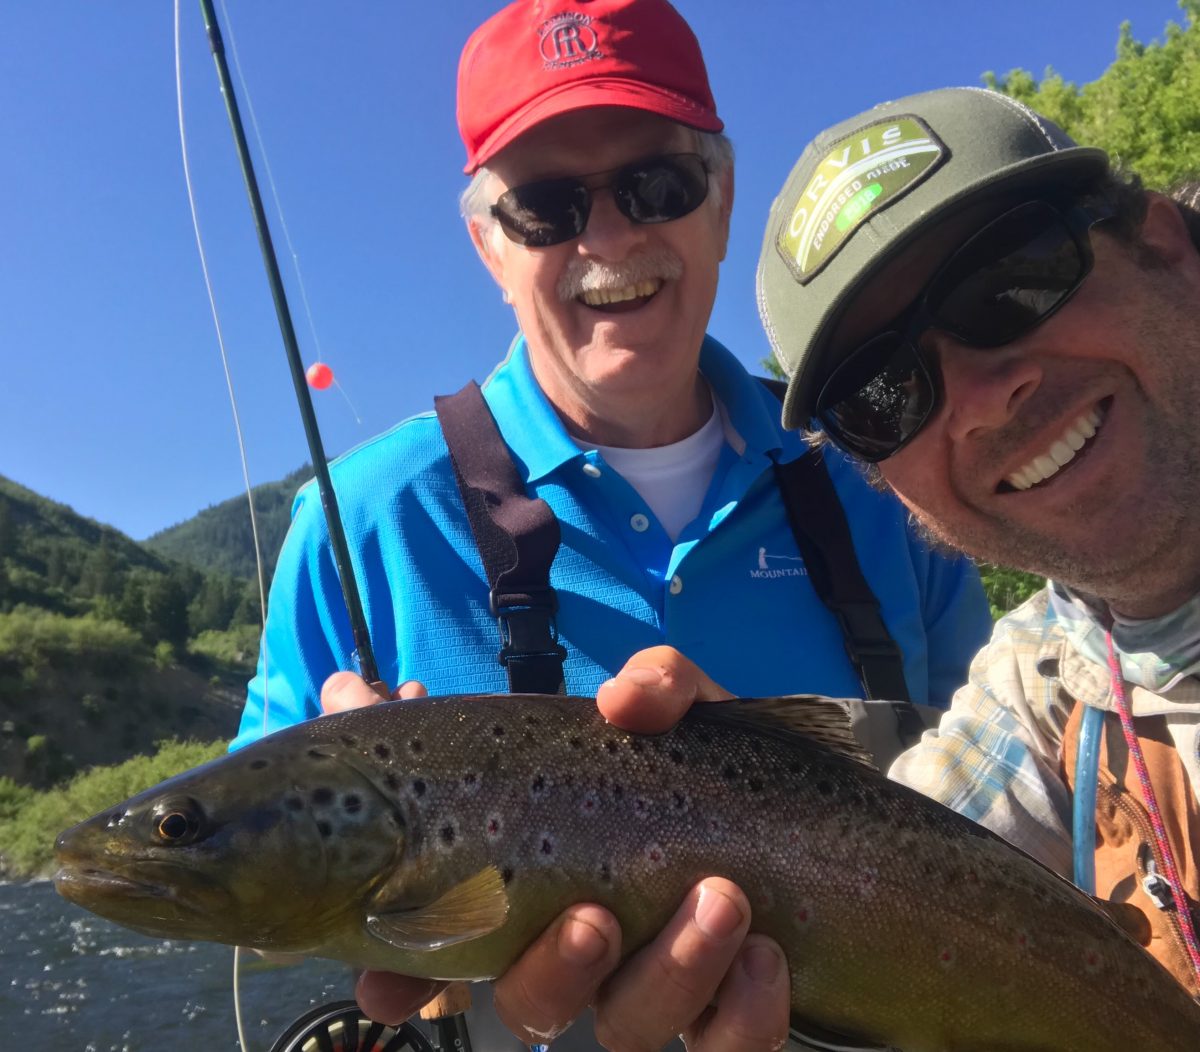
73,981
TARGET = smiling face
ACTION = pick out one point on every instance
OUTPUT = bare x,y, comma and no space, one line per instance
614,318
1072,450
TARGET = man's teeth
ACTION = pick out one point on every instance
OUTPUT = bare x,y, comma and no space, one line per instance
599,297
1060,453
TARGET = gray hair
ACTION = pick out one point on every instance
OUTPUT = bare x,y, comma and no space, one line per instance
714,148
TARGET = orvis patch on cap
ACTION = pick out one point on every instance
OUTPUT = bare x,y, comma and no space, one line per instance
859,175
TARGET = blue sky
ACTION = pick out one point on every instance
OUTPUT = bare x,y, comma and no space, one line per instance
112,397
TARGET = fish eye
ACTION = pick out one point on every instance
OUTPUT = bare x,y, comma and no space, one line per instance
177,822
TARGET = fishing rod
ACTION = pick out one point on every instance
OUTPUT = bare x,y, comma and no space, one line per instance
333,520
446,1014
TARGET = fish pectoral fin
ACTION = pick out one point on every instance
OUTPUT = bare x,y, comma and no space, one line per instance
469,910
1131,919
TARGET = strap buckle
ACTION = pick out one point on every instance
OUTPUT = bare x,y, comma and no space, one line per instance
527,623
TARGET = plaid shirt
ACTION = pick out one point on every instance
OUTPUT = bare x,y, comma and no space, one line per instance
995,756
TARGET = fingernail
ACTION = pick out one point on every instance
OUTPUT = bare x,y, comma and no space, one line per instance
761,963
717,915
581,943
641,676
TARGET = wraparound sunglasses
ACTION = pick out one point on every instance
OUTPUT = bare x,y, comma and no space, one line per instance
654,190
1007,279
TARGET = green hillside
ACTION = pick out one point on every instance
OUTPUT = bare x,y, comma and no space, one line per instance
106,647
219,538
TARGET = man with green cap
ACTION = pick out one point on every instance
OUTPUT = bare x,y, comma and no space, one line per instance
1004,331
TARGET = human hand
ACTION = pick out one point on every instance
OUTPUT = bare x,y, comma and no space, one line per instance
702,978
344,691
654,689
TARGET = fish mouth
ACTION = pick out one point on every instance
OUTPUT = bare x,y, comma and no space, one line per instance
87,883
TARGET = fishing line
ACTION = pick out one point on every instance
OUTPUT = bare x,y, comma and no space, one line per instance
237,426
287,236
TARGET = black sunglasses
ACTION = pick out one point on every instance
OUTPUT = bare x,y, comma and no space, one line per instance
653,190
1007,279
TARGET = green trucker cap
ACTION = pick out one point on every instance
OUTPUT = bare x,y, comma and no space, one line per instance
865,188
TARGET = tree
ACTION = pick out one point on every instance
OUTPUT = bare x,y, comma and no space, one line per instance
1144,110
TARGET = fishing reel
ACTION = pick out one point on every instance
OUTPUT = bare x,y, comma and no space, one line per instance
340,1026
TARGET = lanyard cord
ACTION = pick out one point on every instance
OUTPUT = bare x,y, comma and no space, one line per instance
1182,908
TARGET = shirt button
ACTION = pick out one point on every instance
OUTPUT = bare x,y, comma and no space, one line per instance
591,470
676,584
640,523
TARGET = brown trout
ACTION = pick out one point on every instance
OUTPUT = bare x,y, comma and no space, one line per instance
439,837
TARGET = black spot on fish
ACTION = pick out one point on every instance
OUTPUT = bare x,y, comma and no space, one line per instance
679,800
546,847
258,765
325,829
382,751
349,742
448,834
470,780
605,873
676,755
538,785
293,803
531,720
825,787
793,766
316,754
498,731
322,795
610,745
352,804
575,743
729,772
755,785
506,874
391,781
703,737
618,790
416,746
418,787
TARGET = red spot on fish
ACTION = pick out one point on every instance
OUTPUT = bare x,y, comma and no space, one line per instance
972,877
801,916
946,957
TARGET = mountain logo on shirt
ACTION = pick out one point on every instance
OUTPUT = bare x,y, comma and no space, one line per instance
772,566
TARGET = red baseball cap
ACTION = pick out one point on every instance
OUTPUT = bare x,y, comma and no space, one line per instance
539,58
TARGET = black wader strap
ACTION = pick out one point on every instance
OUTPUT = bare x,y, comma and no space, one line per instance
823,537
517,537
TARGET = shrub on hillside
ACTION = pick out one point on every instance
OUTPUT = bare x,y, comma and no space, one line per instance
1007,589
236,648
39,639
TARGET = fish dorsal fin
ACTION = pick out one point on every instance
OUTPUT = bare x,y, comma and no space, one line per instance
812,716
471,909
1131,919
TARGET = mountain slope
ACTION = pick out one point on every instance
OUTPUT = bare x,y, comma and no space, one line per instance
219,537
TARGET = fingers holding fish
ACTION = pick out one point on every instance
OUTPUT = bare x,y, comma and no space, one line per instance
668,985
557,977
390,999
344,691
751,1010
654,689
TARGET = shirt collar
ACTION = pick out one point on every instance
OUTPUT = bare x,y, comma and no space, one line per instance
540,443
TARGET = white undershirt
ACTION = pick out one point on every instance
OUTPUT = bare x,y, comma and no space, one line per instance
672,479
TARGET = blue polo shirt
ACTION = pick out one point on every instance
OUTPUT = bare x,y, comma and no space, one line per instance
731,592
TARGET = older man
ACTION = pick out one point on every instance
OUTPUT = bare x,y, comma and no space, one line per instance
1005,332
600,203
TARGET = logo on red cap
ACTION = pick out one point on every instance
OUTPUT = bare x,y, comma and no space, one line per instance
567,40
